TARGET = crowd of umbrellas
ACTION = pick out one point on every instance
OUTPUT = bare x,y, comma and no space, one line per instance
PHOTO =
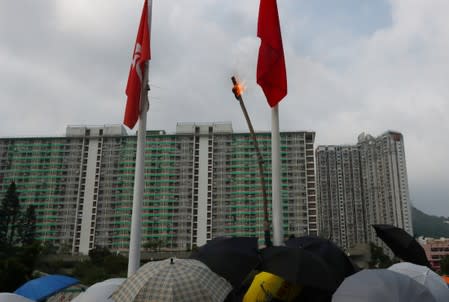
307,268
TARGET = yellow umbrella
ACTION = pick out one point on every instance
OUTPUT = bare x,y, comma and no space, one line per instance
266,286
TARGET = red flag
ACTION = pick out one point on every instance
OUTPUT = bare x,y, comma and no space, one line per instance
271,74
141,55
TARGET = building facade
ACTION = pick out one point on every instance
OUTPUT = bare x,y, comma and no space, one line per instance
435,249
340,195
200,182
385,182
362,185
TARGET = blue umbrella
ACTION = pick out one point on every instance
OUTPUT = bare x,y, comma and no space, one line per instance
41,288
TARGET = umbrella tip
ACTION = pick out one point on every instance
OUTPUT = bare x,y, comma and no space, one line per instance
171,261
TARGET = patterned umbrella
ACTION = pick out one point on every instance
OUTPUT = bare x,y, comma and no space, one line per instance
181,280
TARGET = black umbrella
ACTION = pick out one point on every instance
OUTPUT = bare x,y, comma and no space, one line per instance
338,261
298,266
233,258
402,244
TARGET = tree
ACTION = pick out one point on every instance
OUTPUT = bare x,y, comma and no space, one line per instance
150,244
18,266
18,251
154,245
101,265
444,263
13,273
48,248
89,273
116,265
27,229
9,216
65,248
378,258
98,254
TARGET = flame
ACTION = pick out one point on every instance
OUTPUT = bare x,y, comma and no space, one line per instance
239,88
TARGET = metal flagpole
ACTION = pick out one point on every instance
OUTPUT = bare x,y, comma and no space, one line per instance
136,218
278,231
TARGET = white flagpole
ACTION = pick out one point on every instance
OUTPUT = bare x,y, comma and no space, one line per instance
139,173
136,218
277,216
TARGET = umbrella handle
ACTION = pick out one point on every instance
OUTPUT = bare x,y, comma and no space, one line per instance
268,295
268,241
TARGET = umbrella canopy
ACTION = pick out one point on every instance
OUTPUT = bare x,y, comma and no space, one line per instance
338,261
67,294
101,291
298,266
9,297
41,288
374,285
446,279
181,280
266,286
424,276
402,244
240,253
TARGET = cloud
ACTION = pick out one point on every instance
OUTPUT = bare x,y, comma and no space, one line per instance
397,78
352,67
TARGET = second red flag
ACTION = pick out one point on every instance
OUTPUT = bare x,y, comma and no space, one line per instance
271,73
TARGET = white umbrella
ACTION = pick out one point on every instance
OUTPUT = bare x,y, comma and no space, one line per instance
9,297
67,294
101,291
424,275
374,285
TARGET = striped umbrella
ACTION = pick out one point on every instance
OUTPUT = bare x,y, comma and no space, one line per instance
181,280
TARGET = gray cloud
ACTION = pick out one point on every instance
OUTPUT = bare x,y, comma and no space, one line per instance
66,62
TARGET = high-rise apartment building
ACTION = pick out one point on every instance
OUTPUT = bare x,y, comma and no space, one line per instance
385,182
339,187
361,185
200,182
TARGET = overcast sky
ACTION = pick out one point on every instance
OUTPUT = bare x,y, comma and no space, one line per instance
352,65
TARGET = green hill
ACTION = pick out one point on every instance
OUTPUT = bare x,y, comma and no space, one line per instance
429,225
